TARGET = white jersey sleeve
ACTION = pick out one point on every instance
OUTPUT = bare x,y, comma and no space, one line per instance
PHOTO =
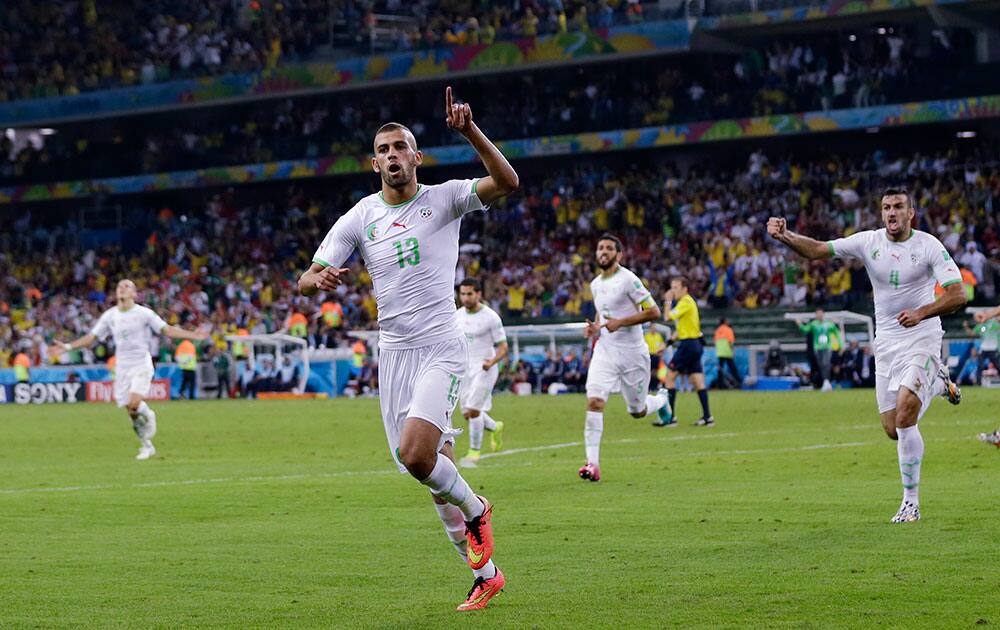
853,246
497,334
102,328
340,242
944,268
639,294
462,196
154,321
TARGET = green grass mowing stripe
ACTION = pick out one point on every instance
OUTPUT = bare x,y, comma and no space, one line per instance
749,526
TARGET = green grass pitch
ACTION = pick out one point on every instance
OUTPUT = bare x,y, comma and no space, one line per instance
279,514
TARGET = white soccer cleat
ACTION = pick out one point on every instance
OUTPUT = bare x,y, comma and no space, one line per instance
951,391
827,386
146,452
908,513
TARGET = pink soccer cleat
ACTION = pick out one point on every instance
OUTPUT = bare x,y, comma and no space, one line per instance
590,471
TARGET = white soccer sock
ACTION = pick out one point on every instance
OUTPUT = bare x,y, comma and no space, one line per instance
445,482
487,571
654,402
938,388
488,423
454,527
592,431
476,432
148,430
910,449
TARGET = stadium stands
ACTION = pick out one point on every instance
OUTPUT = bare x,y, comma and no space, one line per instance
790,75
53,49
232,258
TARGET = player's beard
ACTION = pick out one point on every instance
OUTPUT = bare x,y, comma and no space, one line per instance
399,179
607,265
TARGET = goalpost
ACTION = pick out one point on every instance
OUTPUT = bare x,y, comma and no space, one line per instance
277,341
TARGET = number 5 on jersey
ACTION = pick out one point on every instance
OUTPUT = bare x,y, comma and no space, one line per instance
407,252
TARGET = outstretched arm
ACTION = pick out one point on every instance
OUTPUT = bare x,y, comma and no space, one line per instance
982,316
58,348
179,333
502,179
802,245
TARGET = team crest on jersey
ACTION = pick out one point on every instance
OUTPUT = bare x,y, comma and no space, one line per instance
875,254
372,231
426,213
913,258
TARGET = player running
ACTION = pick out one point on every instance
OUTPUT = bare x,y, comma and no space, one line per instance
408,237
903,264
620,356
487,347
131,326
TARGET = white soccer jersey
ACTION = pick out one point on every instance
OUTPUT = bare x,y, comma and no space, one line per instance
616,297
484,330
902,274
132,331
411,251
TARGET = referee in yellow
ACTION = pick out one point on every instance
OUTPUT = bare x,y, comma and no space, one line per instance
687,356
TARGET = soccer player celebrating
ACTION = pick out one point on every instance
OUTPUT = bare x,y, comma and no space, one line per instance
408,237
687,356
620,356
903,264
131,326
487,347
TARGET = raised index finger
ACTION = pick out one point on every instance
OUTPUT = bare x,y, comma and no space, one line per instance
447,101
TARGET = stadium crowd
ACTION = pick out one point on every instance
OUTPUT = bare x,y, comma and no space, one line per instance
233,262
64,48
787,76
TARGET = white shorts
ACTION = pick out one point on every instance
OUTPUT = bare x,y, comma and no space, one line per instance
626,369
913,364
421,383
134,380
477,387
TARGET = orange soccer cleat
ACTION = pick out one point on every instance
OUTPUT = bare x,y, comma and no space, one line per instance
482,592
479,536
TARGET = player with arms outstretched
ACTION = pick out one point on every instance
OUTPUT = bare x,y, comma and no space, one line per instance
484,331
620,356
903,264
408,237
131,326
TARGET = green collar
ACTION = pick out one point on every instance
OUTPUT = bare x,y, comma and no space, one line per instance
397,205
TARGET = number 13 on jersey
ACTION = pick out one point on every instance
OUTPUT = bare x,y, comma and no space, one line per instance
407,252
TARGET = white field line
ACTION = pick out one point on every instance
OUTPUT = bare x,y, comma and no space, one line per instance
549,447
709,434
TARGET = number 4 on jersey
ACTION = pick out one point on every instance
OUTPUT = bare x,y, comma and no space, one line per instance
407,252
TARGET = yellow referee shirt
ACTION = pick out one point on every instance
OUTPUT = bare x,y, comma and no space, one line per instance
685,313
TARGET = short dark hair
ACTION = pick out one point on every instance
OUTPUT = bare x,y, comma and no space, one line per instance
395,126
471,282
681,279
607,236
897,190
